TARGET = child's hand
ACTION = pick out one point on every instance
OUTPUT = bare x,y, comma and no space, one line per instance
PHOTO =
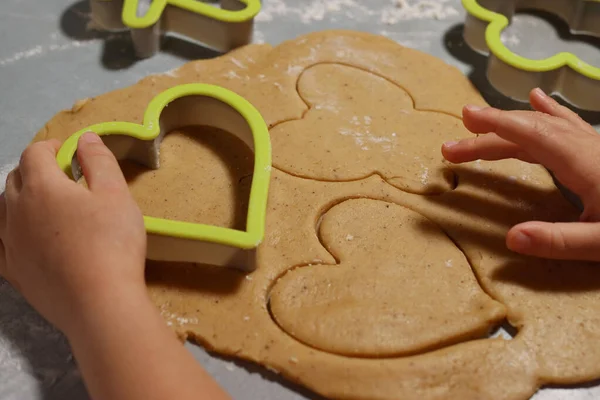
77,255
561,141
64,246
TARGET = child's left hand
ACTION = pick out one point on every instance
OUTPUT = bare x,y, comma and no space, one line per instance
77,254
67,247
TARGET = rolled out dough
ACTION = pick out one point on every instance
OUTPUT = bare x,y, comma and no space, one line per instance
400,287
329,222
382,131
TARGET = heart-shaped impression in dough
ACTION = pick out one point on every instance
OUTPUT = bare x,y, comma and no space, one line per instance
177,107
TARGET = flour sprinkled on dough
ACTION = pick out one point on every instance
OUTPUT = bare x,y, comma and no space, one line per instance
232,75
173,318
425,175
294,69
238,63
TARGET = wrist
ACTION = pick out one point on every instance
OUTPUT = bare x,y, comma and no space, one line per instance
94,314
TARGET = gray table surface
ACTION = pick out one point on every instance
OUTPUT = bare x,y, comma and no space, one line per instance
48,60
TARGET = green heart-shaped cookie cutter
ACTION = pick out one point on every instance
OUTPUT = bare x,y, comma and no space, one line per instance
187,105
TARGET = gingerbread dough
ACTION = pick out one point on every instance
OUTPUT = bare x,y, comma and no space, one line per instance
229,174
417,288
553,306
402,145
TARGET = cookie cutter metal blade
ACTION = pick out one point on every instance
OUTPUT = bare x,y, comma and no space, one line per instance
221,28
180,106
563,74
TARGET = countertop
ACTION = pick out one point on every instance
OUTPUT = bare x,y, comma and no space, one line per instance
49,59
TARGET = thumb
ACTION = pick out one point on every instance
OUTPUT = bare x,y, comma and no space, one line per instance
99,165
560,241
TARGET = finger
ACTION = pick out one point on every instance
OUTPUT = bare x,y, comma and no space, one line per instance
38,162
560,241
488,147
541,102
99,165
543,137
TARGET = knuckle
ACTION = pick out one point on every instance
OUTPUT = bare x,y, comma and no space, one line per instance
11,177
559,244
496,112
471,143
34,150
541,126
563,110
114,187
98,150
54,145
54,142
474,146
29,152
499,115
566,112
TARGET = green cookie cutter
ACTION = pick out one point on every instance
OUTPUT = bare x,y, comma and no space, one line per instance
221,28
514,76
180,106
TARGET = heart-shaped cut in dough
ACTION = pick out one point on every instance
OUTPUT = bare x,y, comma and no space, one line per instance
401,287
359,124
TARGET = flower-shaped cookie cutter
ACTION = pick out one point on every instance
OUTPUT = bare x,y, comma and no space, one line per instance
187,105
564,73
220,28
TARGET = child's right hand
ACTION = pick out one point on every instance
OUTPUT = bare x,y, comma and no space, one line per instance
560,140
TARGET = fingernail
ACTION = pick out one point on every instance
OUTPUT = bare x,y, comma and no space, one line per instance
450,144
521,241
539,92
473,108
90,137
